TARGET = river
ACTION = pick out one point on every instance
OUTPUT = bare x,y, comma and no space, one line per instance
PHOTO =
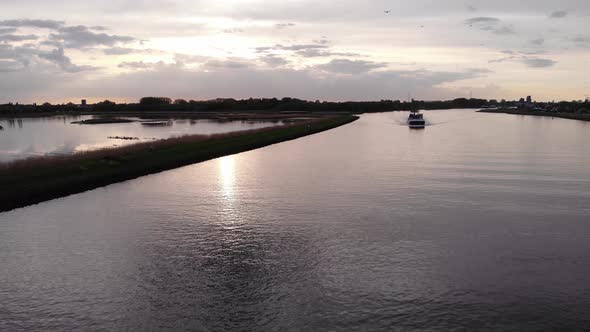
478,222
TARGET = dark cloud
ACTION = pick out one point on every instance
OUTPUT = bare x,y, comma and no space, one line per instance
274,61
582,40
345,66
7,30
504,30
118,51
483,20
558,14
59,58
46,24
538,62
21,54
81,36
17,38
490,24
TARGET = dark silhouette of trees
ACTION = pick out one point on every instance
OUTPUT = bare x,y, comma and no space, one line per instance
105,106
155,101
274,105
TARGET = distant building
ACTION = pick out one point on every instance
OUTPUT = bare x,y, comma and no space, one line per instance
84,102
529,102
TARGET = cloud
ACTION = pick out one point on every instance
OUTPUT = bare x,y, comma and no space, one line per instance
322,41
299,47
319,49
345,66
582,40
274,61
59,58
140,65
17,38
118,51
46,24
308,83
10,66
227,64
538,62
482,20
81,36
504,30
7,30
490,24
558,14
284,25
182,59
526,59
314,52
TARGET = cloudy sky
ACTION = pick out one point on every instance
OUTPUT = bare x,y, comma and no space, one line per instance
314,49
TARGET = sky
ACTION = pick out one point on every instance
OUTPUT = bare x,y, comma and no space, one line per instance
61,51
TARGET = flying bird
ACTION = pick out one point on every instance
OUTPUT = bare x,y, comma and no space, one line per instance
387,11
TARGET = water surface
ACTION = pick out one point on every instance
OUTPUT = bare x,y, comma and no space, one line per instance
57,135
480,221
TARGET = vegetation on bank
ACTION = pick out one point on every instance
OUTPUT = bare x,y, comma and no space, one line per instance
35,180
102,121
564,115
266,106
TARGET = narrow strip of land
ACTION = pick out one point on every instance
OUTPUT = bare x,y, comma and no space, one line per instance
36,180
563,115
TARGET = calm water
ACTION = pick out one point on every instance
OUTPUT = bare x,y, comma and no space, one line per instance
22,138
481,221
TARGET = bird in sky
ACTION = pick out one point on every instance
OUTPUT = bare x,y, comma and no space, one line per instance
387,11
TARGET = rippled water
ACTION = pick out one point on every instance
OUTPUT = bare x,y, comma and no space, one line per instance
57,135
480,221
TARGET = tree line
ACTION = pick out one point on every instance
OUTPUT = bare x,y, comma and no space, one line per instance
154,104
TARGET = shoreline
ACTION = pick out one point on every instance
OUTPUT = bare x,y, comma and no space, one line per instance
569,116
37,180
218,115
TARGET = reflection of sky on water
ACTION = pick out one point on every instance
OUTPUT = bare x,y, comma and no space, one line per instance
22,138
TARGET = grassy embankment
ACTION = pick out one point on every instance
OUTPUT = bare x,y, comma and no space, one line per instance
571,116
35,180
